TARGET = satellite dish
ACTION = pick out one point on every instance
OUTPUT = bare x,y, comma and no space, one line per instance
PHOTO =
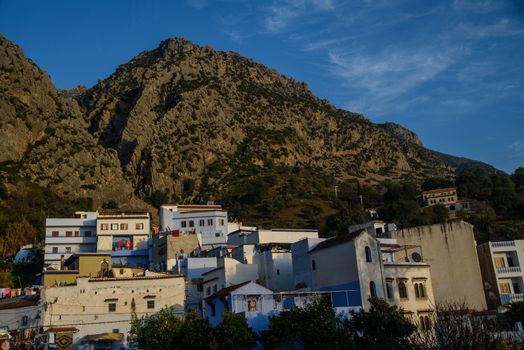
416,257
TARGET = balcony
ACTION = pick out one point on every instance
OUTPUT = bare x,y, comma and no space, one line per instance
503,244
70,240
508,298
510,269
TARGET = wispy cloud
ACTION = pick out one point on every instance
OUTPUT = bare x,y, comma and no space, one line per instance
503,27
384,76
199,4
282,12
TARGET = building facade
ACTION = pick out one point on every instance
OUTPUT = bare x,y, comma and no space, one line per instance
124,234
450,250
500,263
65,236
208,222
444,196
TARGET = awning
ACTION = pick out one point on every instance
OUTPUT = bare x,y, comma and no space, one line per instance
104,337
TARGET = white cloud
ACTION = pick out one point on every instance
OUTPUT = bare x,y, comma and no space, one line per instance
283,12
199,4
385,76
504,27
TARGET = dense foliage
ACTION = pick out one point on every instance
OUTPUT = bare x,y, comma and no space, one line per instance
169,330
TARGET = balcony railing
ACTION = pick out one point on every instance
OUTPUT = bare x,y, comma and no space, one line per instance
503,244
508,298
510,269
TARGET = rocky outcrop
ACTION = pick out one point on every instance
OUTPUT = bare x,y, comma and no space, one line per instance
186,112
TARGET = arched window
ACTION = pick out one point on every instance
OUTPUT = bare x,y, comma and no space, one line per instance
372,289
402,290
425,323
368,254
389,290
420,290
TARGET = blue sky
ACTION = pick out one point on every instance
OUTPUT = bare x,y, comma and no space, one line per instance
452,71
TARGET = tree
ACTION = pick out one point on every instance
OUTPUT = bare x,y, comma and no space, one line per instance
440,212
110,204
514,312
316,326
382,327
234,333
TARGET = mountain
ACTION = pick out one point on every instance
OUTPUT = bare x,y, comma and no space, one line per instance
187,123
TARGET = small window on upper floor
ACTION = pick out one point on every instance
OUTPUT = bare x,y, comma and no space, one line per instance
372,289
87,233
25,321
124,226
111,307
368,254
104,226
217,234
222,222
183,224
54,234
191,223
313,265
402,290
55,250
150,304
114,226
139,226
209,222
69,233
202,223
77,233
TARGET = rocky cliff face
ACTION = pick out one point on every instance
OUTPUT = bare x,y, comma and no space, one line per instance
183,117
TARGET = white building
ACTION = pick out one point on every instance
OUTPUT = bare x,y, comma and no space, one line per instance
21,314
102,308
258,304
209,222
301,260
228,272
259,236
124,234
66,236
275,266
349,262
502,272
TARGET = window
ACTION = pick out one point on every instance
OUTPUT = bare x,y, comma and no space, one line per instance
114,226
111,307
69,233
54,234
191,223
116,330
209,222
252,305
499,263
55,250
217,234
402,290
139,226
420,290
213,311
201,223
208,290
505,288
368,254
215,288
87,233
68,250
77,233
372,289
150,304
124,226
425,323
104,226
313,265
516,288
278,272
510,261
183,224
389,290
25,321
222,222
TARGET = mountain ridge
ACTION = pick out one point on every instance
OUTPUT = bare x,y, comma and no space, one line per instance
184,122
